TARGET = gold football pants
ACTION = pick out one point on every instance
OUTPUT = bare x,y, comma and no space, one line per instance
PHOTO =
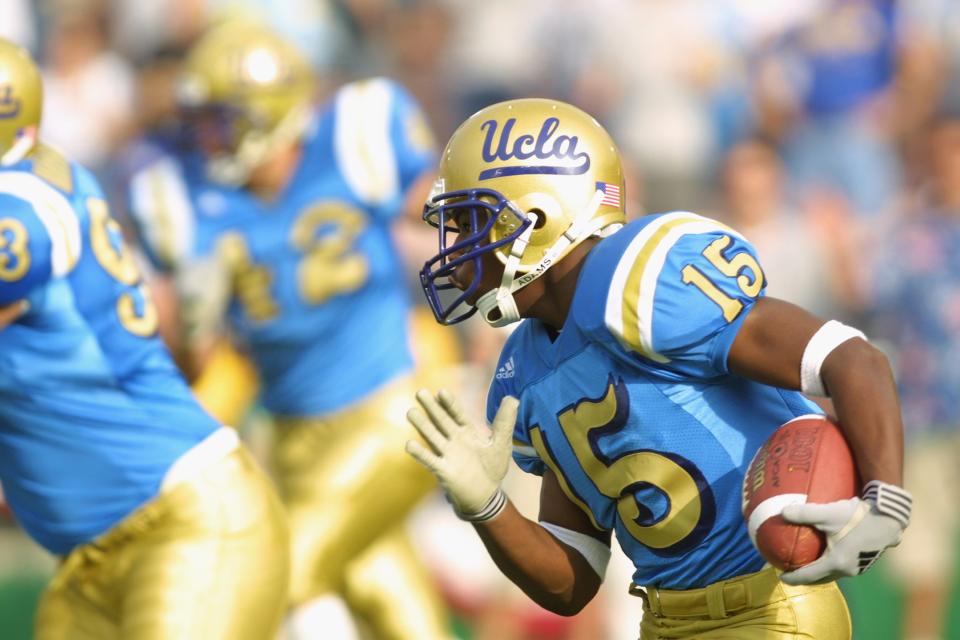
207,559
348,486
756,606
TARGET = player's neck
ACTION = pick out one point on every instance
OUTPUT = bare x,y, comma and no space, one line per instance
273,175
552,294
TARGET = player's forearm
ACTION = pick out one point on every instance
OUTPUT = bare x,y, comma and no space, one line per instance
552,574
861,385
10,312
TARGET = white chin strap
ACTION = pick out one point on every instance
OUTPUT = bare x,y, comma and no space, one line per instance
18,151
501,299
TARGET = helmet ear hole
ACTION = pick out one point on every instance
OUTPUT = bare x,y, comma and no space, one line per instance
541,218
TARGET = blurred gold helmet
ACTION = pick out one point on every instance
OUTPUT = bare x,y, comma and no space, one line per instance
21,103
243,91
532,178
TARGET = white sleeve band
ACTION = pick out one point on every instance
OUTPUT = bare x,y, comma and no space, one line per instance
830,336
596,553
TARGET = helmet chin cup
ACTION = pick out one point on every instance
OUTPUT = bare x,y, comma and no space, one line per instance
491,302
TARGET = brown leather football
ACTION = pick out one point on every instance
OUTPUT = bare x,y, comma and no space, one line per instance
805,460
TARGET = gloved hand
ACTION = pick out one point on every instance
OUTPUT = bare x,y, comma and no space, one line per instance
858,530
469,463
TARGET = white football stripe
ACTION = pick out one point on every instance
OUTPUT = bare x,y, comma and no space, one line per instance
806,416
769,508
55,212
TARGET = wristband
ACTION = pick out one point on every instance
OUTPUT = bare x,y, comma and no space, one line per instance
496,504
890,500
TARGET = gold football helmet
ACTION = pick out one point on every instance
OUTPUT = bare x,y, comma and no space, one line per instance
21,103
531,179
243,91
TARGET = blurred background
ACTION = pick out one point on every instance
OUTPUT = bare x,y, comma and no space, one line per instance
826,131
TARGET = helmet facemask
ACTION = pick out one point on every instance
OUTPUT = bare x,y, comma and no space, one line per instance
479,210
240,143
497,306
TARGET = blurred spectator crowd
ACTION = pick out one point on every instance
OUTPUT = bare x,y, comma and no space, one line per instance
826,131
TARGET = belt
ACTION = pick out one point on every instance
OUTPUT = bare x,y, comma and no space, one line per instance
716,601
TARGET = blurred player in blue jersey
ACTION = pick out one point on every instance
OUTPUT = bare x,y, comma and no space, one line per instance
649,370
166,526
279,223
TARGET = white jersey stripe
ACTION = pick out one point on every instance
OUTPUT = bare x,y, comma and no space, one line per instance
162,207
525,450
615,297
652,273
55,212
689,223
362,143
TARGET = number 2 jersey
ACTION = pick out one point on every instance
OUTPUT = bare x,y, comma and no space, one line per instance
92,410
311,283
632,406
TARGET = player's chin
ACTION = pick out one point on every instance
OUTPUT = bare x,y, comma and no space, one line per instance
462,276
473,297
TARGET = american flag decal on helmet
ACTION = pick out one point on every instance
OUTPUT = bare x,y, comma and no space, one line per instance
611,193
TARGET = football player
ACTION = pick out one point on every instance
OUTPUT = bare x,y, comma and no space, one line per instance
648,370
165,525
278,222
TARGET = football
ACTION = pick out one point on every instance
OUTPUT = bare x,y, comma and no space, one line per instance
805,460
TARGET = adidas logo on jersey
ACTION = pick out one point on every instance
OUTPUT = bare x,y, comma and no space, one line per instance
506,371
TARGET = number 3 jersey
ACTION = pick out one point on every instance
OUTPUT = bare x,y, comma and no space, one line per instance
632,405
92,410
311,283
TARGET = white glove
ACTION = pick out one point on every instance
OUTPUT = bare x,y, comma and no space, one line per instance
858,531
469,463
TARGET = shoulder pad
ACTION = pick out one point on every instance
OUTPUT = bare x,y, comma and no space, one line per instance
681,282
55,212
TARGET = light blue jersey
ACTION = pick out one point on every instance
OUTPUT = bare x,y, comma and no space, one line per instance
92,410
633,407
314,285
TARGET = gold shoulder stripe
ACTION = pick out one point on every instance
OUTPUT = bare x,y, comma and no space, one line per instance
633,292
51,166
